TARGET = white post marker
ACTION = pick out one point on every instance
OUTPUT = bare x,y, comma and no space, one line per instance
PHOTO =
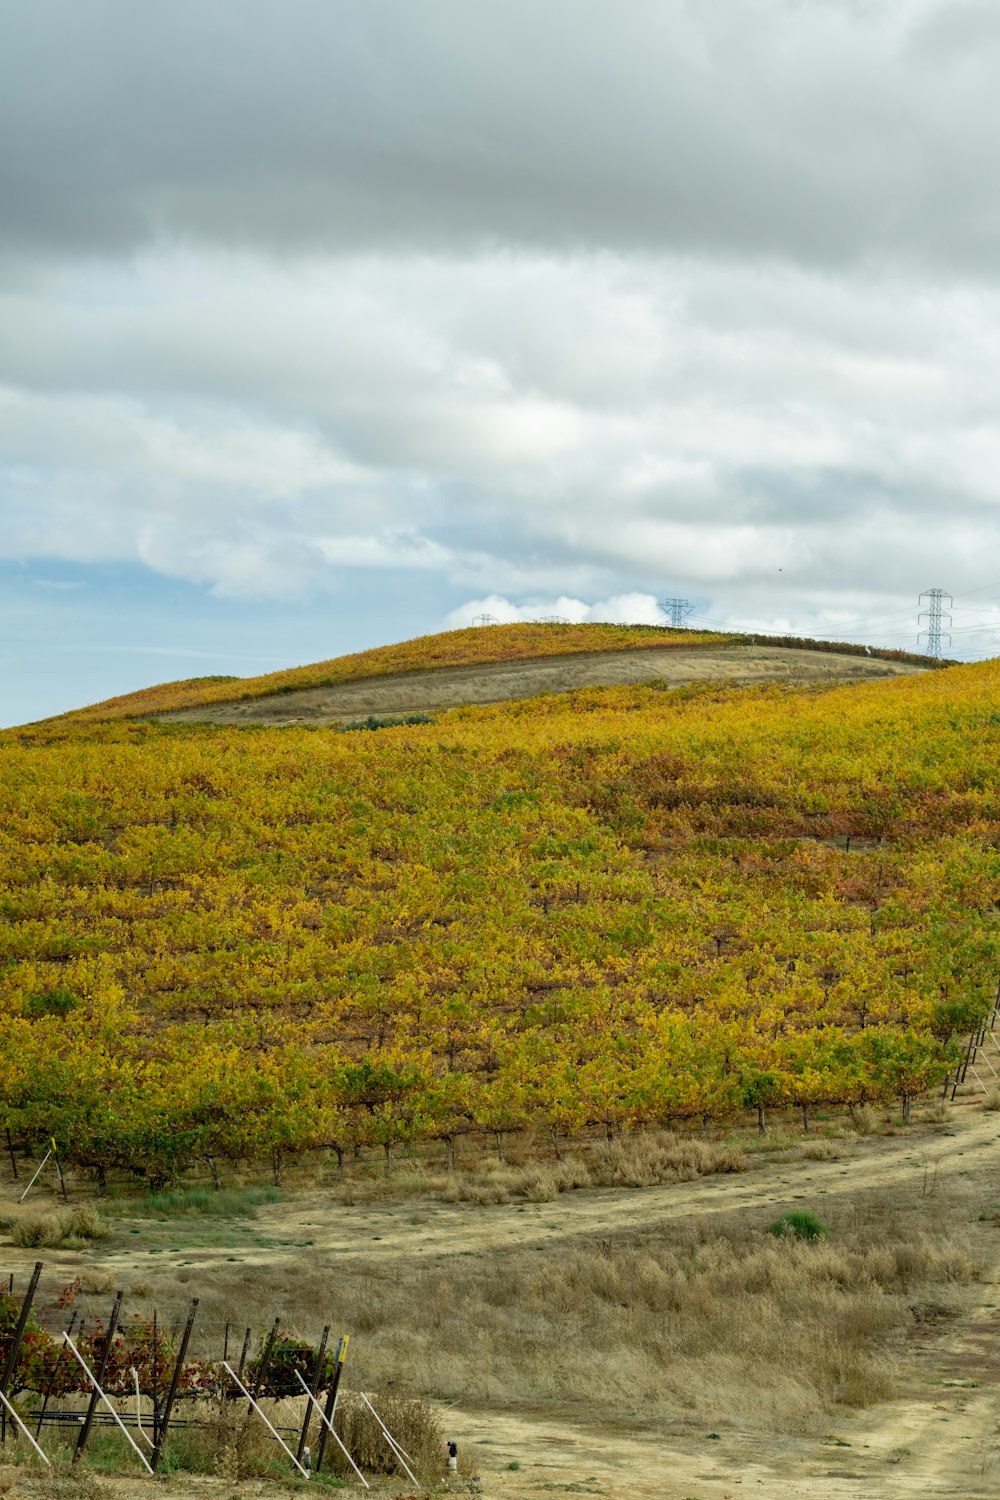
330,1428
35,1178
138,1408
127,1435
397,1450
272,1430
22,1428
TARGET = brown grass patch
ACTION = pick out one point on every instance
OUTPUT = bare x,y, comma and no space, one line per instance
720,1324
53,1228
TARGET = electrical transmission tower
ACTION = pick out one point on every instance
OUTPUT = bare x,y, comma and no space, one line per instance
678,610
934,614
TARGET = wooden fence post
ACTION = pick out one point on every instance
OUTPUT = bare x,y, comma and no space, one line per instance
265,1360
95,1395
243,1355
15,1346
331,1400
161,1437
154,1382
313,1388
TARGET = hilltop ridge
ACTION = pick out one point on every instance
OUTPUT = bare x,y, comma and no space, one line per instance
496,663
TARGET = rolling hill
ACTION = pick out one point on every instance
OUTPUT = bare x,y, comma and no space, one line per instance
495,663
611,907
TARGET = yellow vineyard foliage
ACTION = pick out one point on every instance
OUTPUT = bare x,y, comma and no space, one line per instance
614,907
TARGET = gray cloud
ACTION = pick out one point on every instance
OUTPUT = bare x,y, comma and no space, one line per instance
561,306
828,132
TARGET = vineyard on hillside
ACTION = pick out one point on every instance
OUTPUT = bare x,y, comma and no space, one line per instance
614,908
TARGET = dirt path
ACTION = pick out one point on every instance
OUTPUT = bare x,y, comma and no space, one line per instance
449,687
939,1440
421,1228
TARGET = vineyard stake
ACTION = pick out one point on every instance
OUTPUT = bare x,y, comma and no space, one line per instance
331,1399
273,1430
97,1392
333,1431
311,1390
15,1347
9,1408
243,1356
265,1358
169,1404
155,1383
394,1446
62,1180
52,1377
138,1409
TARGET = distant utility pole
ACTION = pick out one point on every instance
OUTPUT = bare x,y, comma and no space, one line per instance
678,610
934,614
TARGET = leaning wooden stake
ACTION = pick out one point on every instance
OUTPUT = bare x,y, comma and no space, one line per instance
331,1400
161,1436
96,1393
15,1345
312,1390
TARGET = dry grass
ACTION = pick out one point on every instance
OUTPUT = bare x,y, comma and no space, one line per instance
822,1151
721,1325
53,1228
633,1161
414,1425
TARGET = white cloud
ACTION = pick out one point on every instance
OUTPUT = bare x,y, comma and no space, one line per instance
622,609
521,425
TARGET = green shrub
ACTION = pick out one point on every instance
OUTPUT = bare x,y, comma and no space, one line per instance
800,1224
374,722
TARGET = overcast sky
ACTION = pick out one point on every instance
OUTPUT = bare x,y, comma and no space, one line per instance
326,323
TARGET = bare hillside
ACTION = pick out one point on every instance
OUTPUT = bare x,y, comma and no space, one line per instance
496,682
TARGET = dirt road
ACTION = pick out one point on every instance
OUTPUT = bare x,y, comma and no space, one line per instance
449,687
939,1440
